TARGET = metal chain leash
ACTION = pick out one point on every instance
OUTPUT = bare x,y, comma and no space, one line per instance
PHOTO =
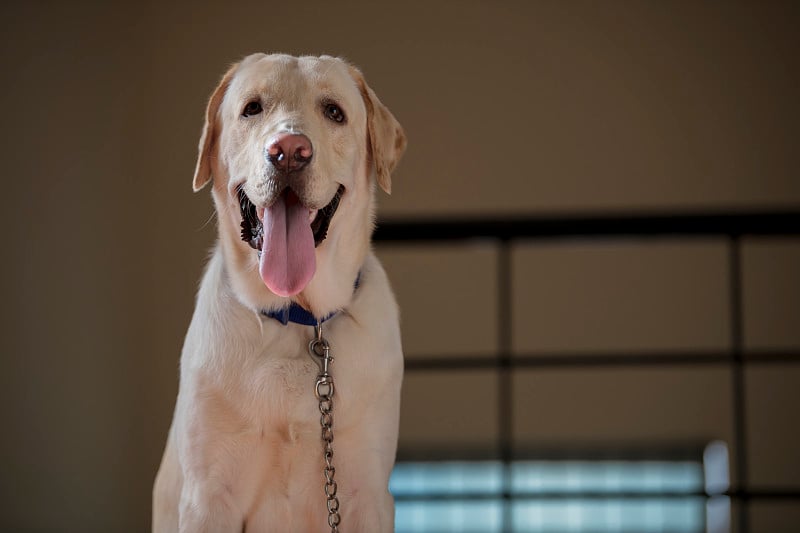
320,351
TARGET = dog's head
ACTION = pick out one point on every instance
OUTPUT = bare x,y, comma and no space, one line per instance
294,147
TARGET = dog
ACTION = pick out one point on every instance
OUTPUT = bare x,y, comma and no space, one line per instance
295,148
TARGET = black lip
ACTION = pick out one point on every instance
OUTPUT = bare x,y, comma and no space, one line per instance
253,230
323,219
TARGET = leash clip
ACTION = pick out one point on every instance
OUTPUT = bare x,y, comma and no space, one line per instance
320,351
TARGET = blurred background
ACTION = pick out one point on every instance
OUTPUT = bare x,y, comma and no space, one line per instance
593,237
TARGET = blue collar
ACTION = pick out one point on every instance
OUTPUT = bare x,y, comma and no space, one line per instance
298,314
295,313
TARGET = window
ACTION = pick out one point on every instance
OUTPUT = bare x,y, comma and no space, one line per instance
564,495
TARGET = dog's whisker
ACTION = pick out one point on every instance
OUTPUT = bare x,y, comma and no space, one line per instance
211,217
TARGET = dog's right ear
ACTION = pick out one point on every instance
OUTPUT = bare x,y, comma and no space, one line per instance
202,171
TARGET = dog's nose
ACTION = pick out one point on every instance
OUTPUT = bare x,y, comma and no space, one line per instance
290,152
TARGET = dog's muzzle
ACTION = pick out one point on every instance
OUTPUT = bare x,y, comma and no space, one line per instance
253,229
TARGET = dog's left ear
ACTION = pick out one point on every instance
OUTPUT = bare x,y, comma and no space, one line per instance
202,171
387,141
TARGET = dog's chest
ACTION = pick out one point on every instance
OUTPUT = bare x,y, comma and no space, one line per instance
280,392
261,427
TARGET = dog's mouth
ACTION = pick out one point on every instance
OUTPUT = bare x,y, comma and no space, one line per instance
253,227
285,235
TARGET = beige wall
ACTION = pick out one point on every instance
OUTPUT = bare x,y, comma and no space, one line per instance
510,107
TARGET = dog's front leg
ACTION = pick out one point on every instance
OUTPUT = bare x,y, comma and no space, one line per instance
206,509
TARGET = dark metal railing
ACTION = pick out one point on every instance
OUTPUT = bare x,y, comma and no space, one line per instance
504,230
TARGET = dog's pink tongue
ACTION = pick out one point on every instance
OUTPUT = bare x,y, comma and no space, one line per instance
287,258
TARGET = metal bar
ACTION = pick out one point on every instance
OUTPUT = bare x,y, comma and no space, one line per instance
488,361
792,493
505,394
600,225
430,497
771,495
737,377
670,451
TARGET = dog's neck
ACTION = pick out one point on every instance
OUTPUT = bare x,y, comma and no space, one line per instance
297,314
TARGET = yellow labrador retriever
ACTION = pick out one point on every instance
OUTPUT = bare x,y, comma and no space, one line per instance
294,148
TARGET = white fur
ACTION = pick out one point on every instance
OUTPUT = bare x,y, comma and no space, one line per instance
244,451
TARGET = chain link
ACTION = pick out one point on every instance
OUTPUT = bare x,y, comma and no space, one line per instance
320,350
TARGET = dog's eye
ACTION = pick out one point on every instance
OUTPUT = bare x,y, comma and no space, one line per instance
252,108
334,113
